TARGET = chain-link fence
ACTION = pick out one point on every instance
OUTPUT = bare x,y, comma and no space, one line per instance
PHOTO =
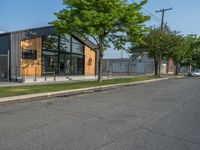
127,68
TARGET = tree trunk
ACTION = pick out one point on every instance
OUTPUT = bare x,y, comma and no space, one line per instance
159,64
100,63
100,66
167,67
176,70
156,67
190,68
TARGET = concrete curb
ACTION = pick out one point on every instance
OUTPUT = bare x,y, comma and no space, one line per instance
78,91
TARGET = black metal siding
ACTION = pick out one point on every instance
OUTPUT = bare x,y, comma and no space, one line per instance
3,67
4,43
4,47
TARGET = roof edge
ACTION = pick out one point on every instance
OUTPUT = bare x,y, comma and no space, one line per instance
87,42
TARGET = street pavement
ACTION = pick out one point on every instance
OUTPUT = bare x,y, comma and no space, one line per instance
161,115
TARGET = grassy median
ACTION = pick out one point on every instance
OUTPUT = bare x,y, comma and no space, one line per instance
33,89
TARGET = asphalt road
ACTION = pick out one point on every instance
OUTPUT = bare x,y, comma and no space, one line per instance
156,116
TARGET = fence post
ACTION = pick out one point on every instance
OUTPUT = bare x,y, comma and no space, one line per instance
128,69
45,76
15,73
8,67
35,78
1,75
54,76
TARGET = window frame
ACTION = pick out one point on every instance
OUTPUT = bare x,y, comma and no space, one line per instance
32,54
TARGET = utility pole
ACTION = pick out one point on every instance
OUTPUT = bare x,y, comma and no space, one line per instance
162,29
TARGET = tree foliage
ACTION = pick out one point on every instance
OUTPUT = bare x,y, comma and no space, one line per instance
178,50
106,21
171,44
155,43
194,50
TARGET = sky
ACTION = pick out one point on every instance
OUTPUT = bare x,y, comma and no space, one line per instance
22,14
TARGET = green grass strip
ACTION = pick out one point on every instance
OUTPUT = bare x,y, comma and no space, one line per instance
42,88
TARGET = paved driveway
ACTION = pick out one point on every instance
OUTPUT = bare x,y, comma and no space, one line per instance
162,115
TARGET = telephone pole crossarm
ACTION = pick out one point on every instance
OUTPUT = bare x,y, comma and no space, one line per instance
163,14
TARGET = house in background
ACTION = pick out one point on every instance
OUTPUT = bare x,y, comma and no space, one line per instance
170,66
41,52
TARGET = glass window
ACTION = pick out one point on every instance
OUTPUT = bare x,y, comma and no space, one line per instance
50,62
64,64
65,43
50,43
77,47
77,65
29,54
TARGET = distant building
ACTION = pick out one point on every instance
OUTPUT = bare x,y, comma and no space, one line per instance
141,65
129,66
170,66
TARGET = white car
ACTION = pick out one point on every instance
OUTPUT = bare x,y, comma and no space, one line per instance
194,74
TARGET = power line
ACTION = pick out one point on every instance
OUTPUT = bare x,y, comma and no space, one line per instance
180,18
151,14
154,17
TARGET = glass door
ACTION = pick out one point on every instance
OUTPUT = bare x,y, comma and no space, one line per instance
64,64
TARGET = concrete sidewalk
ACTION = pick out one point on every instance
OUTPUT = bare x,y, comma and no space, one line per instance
60,80
77,91
49,80
6,84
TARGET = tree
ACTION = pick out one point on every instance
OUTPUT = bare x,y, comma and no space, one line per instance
155,43
194,51
178,50
113,21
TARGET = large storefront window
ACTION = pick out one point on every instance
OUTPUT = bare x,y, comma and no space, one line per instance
65,43
62,55
77,47
77,65
50,43
50,62
64,64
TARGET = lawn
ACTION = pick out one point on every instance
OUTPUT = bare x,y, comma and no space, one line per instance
32,89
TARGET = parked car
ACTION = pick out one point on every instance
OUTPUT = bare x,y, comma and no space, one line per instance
194,74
